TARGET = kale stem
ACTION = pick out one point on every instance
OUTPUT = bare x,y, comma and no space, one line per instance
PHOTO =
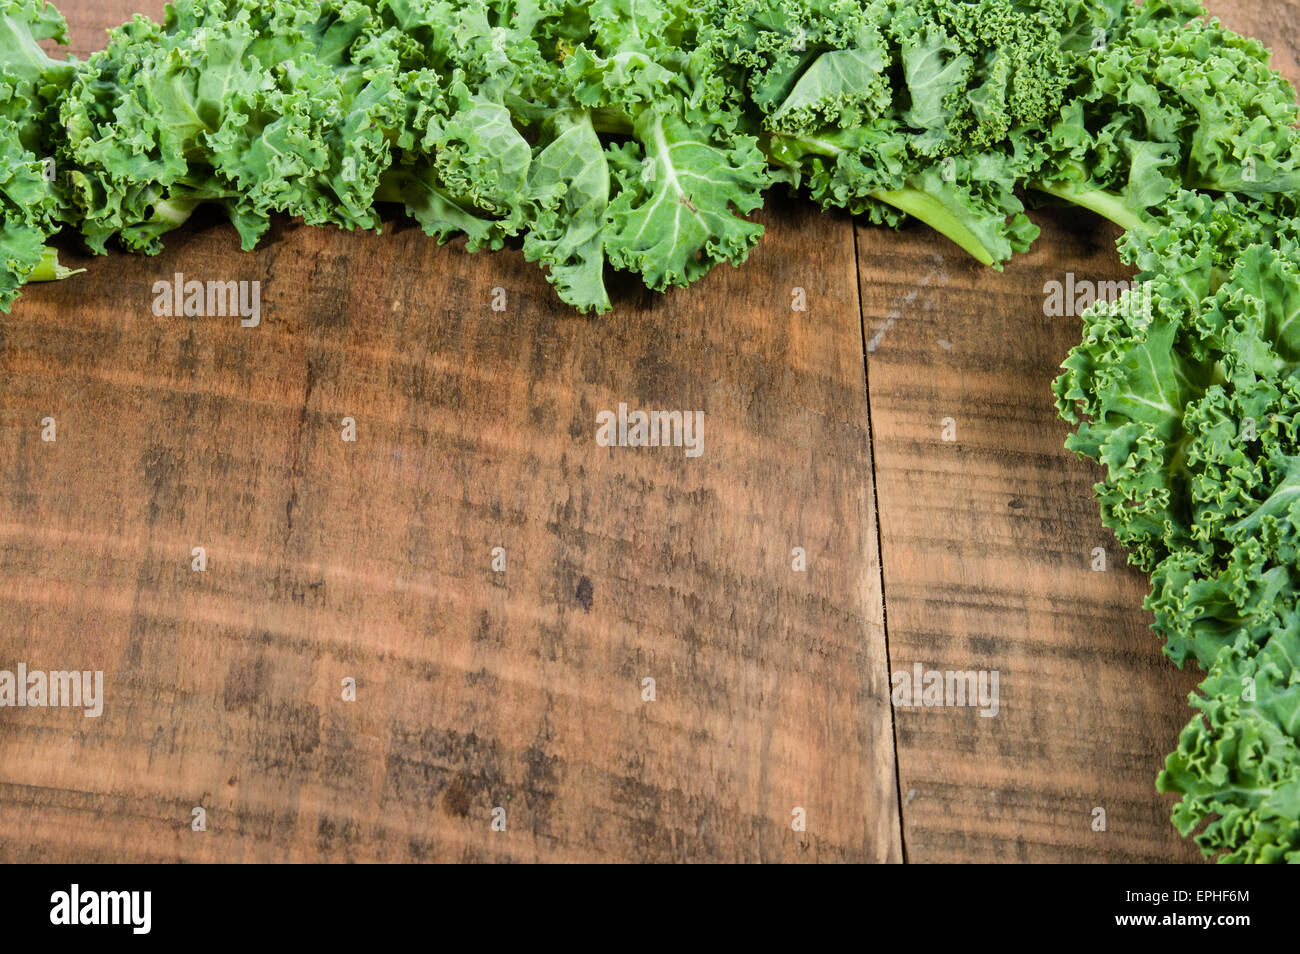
1106,204
925,207
174,212
49,270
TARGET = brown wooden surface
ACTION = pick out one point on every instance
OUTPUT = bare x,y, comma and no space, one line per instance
523,690
987,546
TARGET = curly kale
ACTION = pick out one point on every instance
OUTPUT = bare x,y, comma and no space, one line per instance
30,84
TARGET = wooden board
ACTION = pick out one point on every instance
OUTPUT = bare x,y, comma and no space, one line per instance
988,546
373,560
523,689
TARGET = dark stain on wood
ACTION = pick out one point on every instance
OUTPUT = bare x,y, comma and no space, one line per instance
584,593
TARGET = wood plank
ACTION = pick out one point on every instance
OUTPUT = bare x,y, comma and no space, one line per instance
371,560
987,547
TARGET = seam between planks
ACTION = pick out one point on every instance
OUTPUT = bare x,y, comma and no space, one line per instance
880,543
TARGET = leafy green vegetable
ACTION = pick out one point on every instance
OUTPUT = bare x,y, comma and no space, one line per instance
30,82
1237,763
640,134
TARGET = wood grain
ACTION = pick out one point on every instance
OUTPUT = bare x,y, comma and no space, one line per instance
987,546
372,560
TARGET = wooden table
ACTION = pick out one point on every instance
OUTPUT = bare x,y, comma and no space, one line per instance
524,690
